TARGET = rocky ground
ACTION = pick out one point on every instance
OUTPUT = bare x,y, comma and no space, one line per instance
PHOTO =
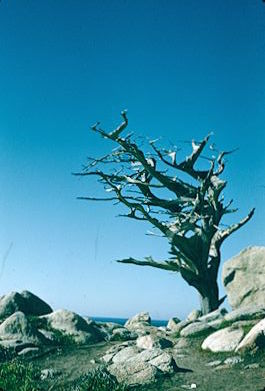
219,351
206,371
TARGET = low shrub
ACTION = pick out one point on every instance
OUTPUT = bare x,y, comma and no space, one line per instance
98,380
16,375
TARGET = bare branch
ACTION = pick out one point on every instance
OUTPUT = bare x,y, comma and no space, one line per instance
97,199
150,262
227,232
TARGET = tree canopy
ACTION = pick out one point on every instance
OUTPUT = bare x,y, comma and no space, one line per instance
187,212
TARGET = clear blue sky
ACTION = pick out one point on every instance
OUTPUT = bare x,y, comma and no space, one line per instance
181,68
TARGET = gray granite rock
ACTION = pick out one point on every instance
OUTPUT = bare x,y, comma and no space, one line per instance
225,340
244,278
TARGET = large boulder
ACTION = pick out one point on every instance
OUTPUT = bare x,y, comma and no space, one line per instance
245,313
138,321
134,373
254,340
17,332
225,340
133,366
26,302
153,341
71,324
244,278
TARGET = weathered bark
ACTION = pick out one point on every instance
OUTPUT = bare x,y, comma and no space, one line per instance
194,211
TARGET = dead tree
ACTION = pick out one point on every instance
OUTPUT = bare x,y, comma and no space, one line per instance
187,214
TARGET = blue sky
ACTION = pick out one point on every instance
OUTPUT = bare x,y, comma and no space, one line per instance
181,68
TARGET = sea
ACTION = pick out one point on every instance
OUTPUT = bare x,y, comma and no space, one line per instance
122,321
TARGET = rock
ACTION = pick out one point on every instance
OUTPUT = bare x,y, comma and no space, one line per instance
134,373
217,323
255,365
34,305
122,334
48,334
135,367
194,315
233,360
182,343
25,302
225,340
10,304
107,358
196,329
49,373
172,323
214,363
17,332
125,354
220,367
191,386
254,340
244,278
215,315
138,321
151,342
71,324
176,327
245,313
29,352
161,360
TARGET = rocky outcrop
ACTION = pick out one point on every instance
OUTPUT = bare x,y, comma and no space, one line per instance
73,325
26,302
244,278
134,366
140,320
17,332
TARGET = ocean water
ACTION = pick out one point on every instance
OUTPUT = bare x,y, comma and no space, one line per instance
122,321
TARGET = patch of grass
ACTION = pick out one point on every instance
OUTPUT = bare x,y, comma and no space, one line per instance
247,328
38,322
98,380
62,339
6,354
16,375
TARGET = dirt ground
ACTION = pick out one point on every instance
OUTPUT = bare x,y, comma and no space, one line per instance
73,362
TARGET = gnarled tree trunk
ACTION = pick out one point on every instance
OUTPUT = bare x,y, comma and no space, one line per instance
190,218
209,297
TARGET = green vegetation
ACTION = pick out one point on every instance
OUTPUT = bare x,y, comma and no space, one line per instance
6,354
16,375
98,380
